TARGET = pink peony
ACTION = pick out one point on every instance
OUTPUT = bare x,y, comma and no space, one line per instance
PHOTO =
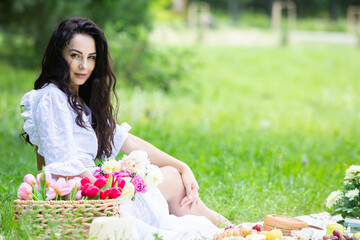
25,191
139,185
123,174
97,173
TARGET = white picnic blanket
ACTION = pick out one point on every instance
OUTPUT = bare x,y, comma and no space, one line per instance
320,220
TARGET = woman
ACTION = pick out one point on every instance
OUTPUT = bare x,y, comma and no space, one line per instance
70,118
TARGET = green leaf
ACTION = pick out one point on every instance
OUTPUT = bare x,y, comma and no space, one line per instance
73,193
42,184
109,182
37,195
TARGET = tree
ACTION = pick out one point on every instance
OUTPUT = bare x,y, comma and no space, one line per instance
27,24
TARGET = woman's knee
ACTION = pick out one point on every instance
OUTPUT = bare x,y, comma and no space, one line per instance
171,175
172,185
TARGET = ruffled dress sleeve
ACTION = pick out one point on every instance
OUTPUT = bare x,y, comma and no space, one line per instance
120,135
49,124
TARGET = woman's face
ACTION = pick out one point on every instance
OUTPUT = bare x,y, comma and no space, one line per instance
80,54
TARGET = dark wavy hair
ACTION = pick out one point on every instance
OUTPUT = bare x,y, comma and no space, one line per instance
96,91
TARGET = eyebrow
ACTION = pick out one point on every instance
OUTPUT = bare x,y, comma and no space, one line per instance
81,52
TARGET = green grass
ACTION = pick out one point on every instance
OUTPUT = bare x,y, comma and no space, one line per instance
265,130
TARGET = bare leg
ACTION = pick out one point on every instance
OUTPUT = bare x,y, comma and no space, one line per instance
173,190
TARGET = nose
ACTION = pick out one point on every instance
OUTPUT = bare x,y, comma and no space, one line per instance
83,64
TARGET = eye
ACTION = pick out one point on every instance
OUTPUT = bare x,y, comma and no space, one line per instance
75,55
92,57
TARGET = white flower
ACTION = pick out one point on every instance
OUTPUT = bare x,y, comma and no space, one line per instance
111,165
333,198
135,162
352,194
128,191
141,173
154,176
347,182
352,171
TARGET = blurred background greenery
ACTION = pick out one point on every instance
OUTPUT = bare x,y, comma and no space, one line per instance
267,125
26,25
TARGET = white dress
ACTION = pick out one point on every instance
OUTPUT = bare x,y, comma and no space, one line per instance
69,150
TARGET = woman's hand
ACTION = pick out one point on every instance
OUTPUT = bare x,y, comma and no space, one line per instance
191,187
162,159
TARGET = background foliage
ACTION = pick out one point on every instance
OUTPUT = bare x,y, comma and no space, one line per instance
306,8
26,27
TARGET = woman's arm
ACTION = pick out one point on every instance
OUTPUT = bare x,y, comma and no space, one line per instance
162,159
81,175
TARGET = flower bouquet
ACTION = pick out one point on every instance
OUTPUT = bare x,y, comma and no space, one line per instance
133,172
68,206
346,200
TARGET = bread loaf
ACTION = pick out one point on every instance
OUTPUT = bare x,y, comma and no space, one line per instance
284,223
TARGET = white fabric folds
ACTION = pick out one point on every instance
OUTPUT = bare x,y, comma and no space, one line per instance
68,149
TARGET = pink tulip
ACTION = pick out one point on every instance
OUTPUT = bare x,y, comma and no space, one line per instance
100,182
50,194
114,192
30,179
62,188
84,189
52,183
92,191
78,195
48,178
71,184
78,182
138,184
25,191
104,194
84,181
120,183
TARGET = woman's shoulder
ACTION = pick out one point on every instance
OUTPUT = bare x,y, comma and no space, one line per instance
48,93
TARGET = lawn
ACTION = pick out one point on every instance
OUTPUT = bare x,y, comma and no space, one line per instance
265,130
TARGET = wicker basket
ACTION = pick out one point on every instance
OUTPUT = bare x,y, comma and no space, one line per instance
66,218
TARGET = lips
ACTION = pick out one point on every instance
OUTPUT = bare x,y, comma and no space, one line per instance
81,75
